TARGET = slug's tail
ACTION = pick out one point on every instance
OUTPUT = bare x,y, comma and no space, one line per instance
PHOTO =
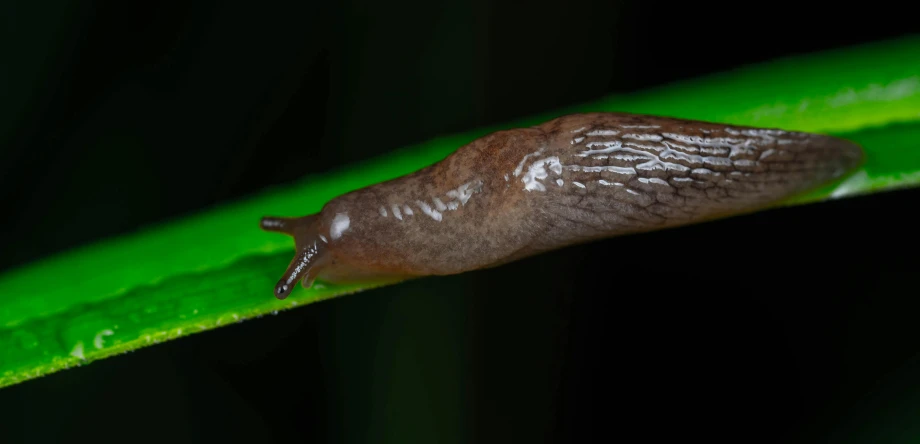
811,161
309,246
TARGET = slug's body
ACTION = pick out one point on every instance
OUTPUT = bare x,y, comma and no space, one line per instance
573,179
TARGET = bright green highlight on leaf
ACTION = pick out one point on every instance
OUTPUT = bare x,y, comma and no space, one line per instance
218,267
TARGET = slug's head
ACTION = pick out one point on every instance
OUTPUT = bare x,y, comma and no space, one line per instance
310,246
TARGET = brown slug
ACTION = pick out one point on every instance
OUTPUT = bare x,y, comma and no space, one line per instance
573,179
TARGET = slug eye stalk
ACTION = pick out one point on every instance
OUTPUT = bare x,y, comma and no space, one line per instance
309,251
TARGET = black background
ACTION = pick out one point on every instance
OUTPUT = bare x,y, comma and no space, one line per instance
790,325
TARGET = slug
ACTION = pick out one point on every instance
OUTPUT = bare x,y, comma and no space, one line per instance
573,179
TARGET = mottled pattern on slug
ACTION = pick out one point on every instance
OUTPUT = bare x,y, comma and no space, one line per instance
573,179
643,173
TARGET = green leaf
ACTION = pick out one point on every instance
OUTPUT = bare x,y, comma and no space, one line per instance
217,267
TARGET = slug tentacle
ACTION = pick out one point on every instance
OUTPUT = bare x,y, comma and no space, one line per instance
303,267
284,225
577,178
309,244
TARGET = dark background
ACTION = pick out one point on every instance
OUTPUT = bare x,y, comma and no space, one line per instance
791,325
